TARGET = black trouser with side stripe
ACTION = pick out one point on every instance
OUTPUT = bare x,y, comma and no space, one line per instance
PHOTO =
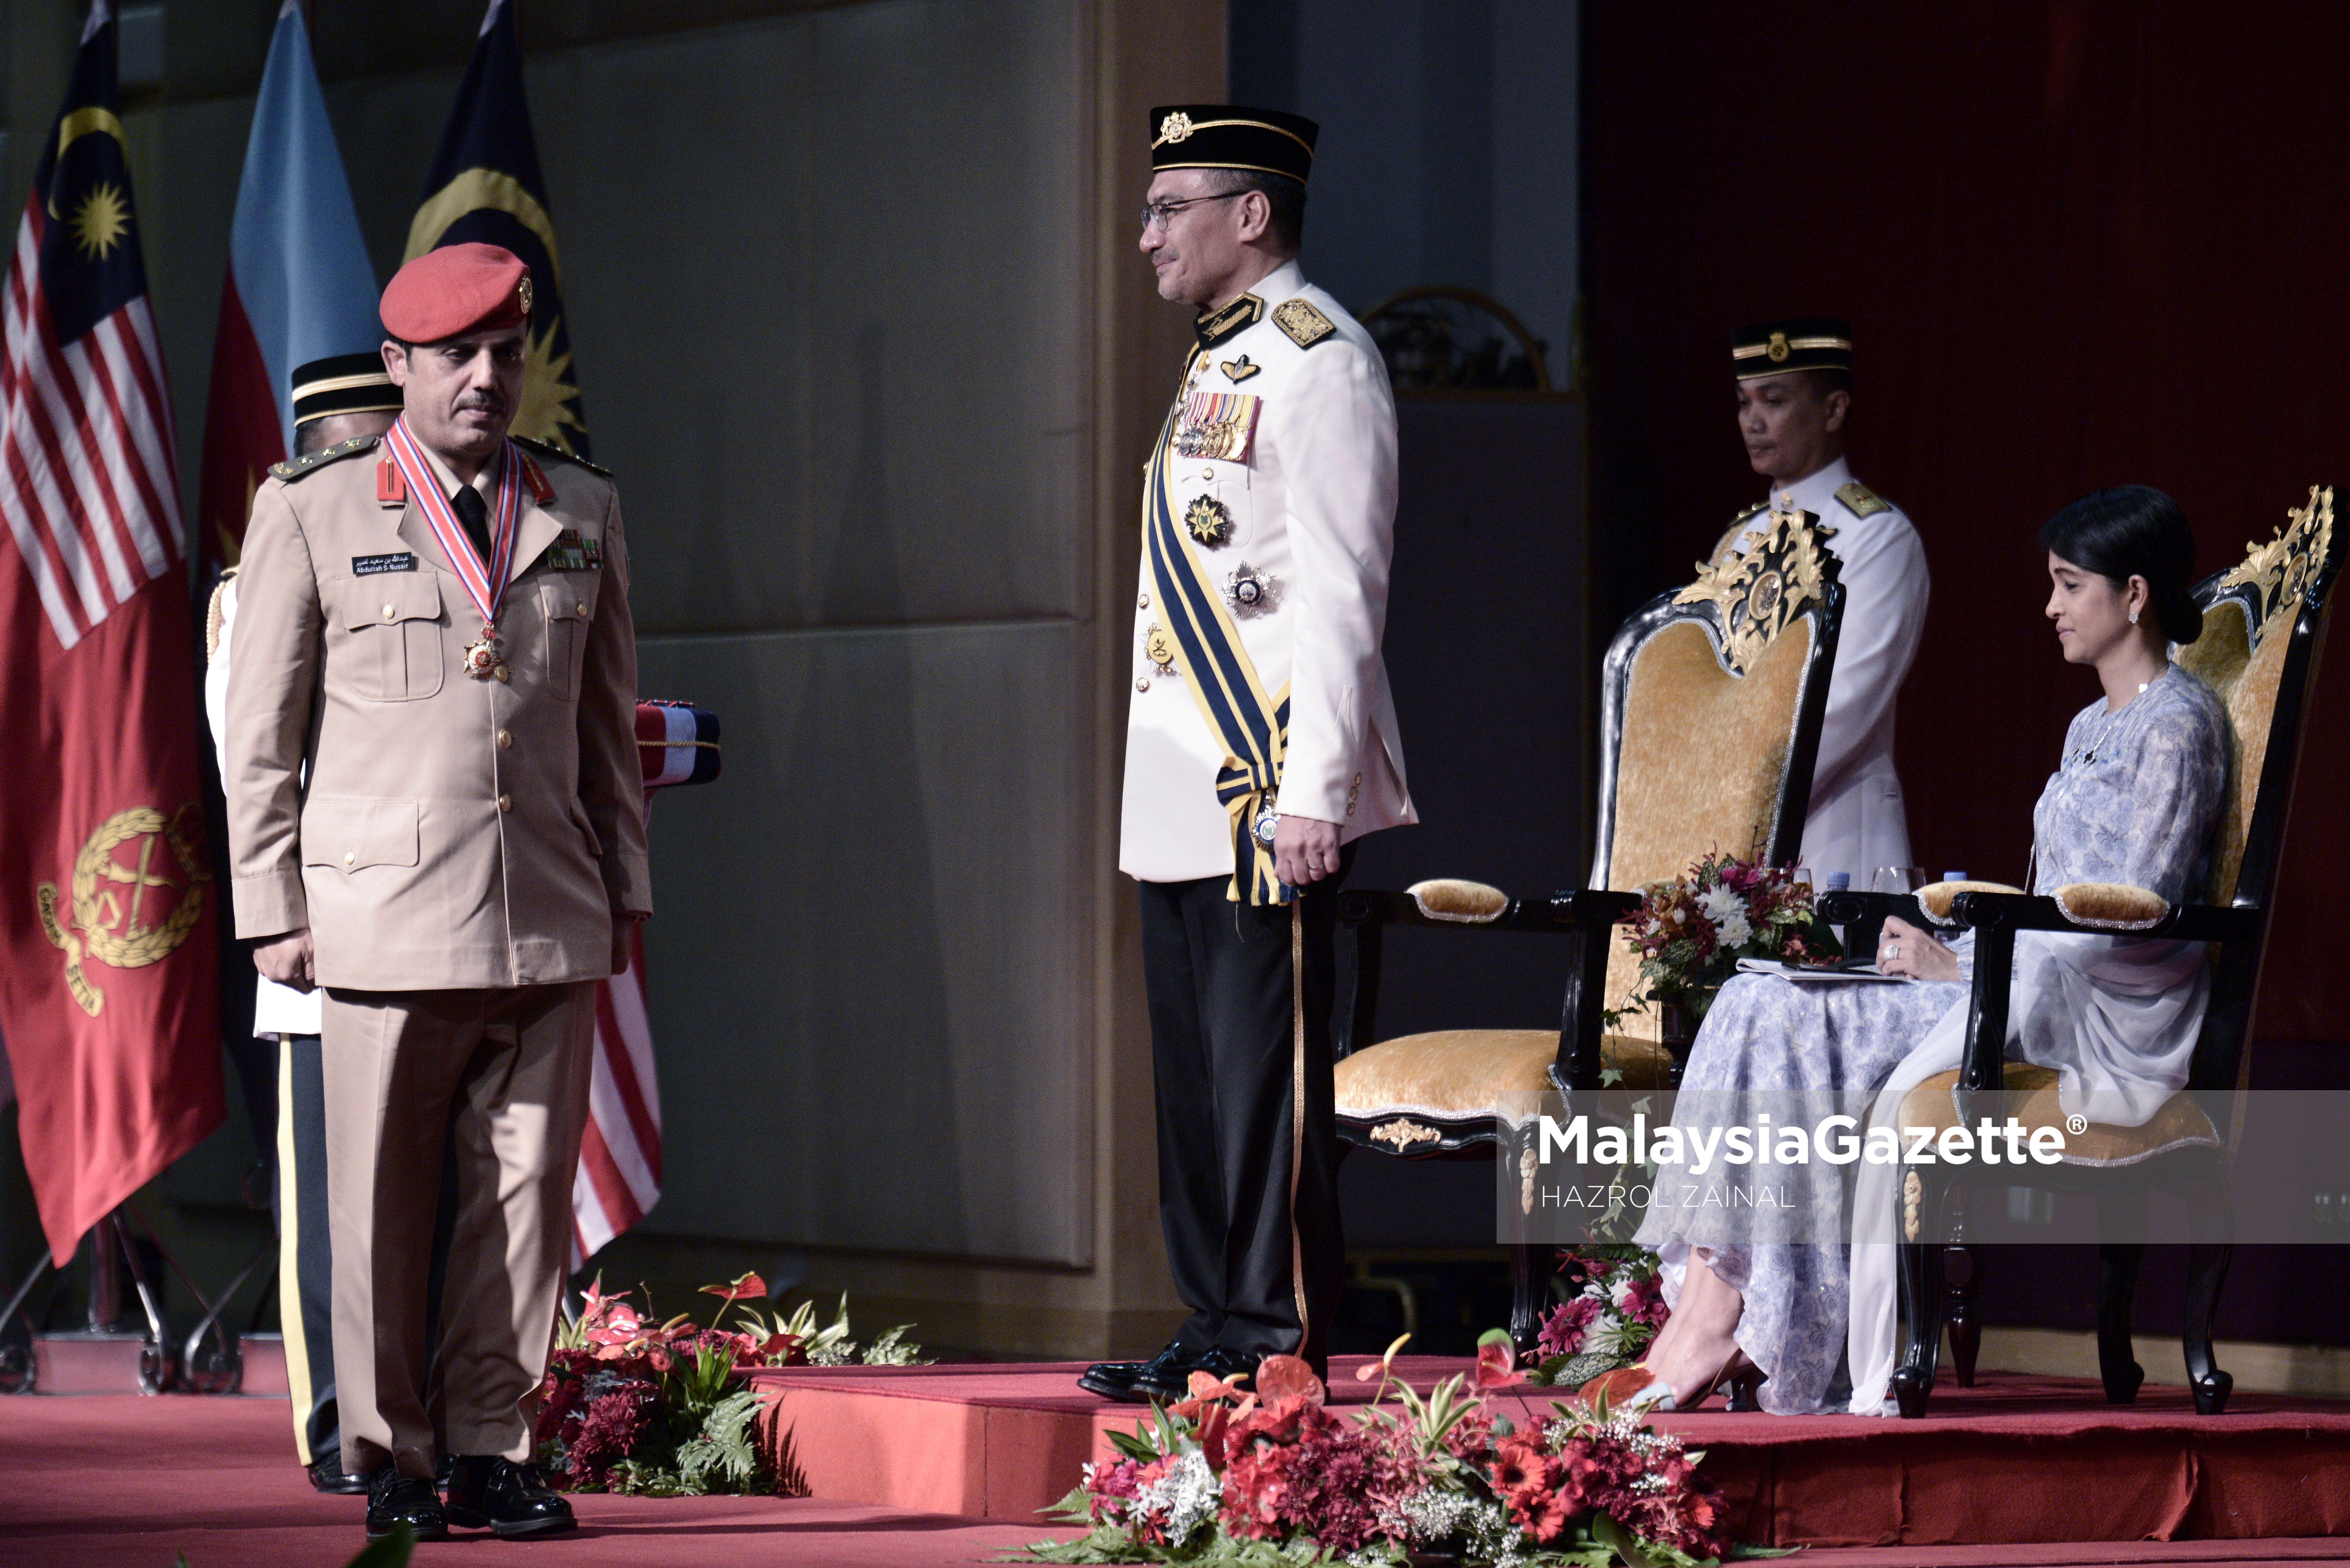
1260,1271
306,1257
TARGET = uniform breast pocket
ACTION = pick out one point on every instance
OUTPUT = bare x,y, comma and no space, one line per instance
566,607
392,650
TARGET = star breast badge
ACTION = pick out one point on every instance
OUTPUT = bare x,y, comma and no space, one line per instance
1209,521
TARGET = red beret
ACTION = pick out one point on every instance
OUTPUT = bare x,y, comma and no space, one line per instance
455,290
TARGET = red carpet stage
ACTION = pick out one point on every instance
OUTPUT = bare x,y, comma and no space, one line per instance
2016,1459
116,1481
925,1466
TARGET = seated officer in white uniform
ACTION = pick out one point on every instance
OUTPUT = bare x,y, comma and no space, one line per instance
1794,397
1261,741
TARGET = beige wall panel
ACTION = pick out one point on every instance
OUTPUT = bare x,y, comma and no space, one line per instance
866,969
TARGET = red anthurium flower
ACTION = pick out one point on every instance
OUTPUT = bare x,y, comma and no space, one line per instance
1280,1378
1496,1359
748,1287
1208,1385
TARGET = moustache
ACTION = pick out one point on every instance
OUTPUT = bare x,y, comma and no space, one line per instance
481,402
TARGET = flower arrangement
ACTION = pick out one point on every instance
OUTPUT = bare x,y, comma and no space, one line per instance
1609,1320
631,1406
1274,1477
1690,932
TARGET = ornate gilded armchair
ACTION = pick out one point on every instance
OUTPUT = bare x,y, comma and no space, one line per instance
1711,702
2263,623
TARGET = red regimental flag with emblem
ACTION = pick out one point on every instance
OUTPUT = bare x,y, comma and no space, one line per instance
108,994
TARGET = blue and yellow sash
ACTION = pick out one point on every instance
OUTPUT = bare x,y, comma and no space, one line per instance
1252,727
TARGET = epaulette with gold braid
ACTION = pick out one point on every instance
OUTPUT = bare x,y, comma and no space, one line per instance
548,449
293,467
1861,501
1301,322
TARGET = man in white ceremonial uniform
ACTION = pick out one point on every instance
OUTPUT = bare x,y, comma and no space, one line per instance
347,397
1795,395
1261,738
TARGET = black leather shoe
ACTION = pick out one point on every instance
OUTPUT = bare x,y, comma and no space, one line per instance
491,1492
395,1499
327,1475
1121,1379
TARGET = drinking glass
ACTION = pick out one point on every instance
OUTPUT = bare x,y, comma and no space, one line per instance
1900,878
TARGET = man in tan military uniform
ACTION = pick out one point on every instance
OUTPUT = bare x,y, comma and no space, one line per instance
436,625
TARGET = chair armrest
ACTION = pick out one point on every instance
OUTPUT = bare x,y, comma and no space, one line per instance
1997,916
1575,909
1587,914
2026,912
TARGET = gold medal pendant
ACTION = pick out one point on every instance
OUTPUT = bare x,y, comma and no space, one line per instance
483,659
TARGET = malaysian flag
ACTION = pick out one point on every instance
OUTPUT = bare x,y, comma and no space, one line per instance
93,495
107,903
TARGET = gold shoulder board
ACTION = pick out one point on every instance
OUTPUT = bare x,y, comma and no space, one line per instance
548,449
295,468
1861,501
1304,325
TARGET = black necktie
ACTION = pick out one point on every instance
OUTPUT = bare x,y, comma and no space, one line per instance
474,513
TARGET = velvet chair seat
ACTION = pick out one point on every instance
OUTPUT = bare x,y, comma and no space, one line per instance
1461,1075
2180,1124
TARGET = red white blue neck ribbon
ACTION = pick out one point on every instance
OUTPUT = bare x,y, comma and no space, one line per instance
484,584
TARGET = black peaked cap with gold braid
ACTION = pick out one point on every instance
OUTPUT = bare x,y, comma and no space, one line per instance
344,384
1812,343
1226,136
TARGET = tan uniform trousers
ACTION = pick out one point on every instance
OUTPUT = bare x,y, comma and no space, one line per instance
513,1063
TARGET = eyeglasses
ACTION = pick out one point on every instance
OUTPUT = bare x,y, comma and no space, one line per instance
1156,214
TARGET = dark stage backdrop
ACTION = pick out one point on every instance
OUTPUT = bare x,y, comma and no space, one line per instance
2082,243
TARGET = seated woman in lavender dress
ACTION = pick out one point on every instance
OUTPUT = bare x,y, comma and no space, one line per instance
2133,801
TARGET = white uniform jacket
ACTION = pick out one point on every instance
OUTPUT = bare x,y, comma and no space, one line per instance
276,1009
1857,823
1311,511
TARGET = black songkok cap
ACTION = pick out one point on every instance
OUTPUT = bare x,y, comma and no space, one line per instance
1814,343
1225,136
345,384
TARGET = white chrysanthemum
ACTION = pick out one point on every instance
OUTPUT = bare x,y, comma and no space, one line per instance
1620,1293
1719,903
